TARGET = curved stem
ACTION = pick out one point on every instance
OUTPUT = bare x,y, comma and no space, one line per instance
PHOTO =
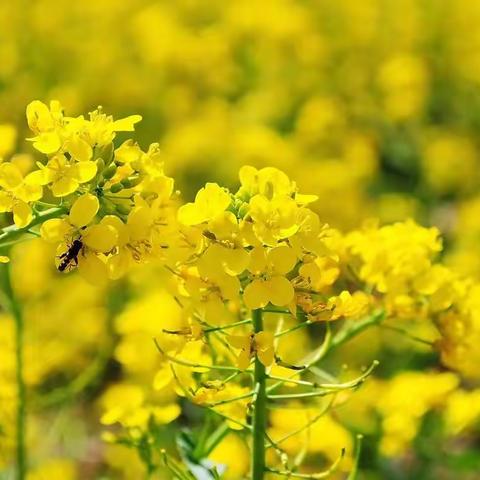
12,232
13,307
260,408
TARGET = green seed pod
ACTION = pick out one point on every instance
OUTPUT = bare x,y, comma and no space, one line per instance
131,181
116,187
110,171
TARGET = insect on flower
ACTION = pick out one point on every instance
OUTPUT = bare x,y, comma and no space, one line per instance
70,257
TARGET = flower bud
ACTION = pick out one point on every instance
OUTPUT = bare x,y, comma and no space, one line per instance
100,164
106,152
243,210
132,181
116,187
123,209
110,171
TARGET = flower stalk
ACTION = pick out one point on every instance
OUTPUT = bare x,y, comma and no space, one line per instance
260,408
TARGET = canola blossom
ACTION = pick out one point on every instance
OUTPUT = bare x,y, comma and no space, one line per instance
114,201
241,301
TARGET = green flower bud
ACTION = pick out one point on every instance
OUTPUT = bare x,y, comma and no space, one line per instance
123,209
110,171
243,210
131,181
116,187
106,152
100,164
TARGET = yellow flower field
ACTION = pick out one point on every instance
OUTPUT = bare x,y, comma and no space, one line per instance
239,240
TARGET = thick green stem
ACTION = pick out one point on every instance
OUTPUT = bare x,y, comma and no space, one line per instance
11,304
260,408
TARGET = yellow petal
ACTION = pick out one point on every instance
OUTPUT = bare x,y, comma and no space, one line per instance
119,264
163,377
84,210
280,291
64,186
6,202
258,260
10,176
189,214
239,341
243,360
30,193
54,230
93,269
264,340
266,356
282,259
37,177
126,124
79,149
119,226
47,142
4,259
84,171
256,294
139,221
39,117
166,413
22,214
101,238
236,260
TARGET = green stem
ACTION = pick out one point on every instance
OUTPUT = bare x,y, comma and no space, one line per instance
260,408
215,438
12,232
345,334
12,305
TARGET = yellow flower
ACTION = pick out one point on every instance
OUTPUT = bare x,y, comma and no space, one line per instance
45,123
210,201
128,405
268,182
260,343
96,239
273,219
16,193
270,284
321,273
348,305
63,176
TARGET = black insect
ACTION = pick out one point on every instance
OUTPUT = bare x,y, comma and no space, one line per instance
70,257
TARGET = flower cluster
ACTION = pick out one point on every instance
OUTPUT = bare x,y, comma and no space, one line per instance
105,208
